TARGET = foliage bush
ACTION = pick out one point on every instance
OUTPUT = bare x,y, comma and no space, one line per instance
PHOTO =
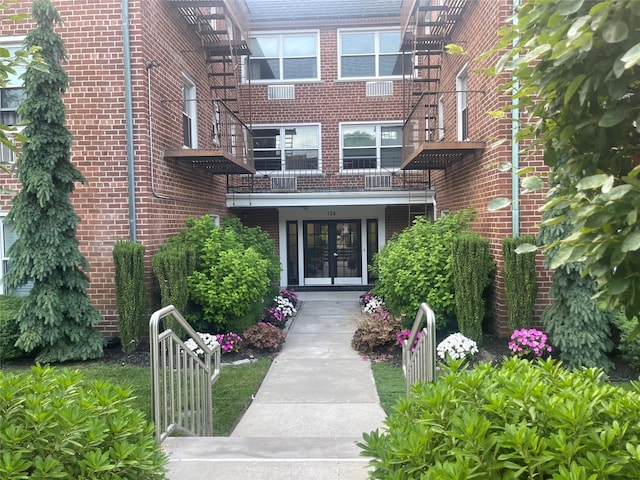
9,328
54,425
377,332
131,293
629,345
523,420
472,268
521,288
264,336
579,329
416,266
232,278
260,241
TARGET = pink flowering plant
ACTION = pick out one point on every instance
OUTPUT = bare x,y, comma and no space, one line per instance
405,334
282,310
290,295
229,342
529,343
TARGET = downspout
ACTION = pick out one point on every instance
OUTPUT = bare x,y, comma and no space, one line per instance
515,150
128,102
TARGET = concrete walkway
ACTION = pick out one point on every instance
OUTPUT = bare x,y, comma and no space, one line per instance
315,402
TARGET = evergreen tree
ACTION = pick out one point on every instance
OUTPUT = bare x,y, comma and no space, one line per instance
578,328
56,319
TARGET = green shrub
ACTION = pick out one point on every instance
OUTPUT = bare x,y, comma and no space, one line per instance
415,267
472,267
264,336
260,241
579,329
629,345
131,293
377,332
9,328
54,425
533,420
519,271
232,278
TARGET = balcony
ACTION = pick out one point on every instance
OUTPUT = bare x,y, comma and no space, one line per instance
428,143
228,149
304,181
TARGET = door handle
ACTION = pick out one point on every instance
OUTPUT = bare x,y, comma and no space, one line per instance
335,254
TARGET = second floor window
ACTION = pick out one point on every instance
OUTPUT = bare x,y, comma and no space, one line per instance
284,57
371,55
278,148
462,105
371,146
189,114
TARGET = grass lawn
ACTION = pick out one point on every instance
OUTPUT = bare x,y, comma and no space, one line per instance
232,392
390,384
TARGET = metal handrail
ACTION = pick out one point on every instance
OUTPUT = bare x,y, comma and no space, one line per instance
180,380
419,358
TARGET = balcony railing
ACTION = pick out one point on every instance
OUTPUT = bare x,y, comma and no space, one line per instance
434,142
226,150
298,181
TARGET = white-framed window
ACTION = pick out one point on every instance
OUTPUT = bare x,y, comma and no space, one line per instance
11,95
286,147
371,146
284,57
441,117
8,237
216,124
462,105
189,113
371,54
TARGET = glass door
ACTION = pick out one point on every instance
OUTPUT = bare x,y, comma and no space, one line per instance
332,252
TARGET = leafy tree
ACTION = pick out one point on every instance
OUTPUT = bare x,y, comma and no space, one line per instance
576,65
56,318
579,330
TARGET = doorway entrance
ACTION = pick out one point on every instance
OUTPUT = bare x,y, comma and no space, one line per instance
332,252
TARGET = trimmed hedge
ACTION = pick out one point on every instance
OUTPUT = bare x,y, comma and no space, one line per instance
472,267
519,271
9,327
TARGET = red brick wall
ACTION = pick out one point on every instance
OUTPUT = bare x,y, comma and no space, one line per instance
476,181
92,32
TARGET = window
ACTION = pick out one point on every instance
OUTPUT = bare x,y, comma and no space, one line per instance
8,237
371,55
11,96
284,57
294,147
462,105
371,146
189,113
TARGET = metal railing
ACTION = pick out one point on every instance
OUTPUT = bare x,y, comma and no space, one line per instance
180,380
419,357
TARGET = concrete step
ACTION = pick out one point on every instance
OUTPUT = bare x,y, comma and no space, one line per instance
262,458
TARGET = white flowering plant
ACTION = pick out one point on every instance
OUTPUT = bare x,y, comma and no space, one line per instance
229,342
372,304
456,346
285,305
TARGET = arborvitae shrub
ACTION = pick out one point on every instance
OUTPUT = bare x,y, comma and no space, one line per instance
522,420
472,267
519,271
629,345
55,425
131,297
